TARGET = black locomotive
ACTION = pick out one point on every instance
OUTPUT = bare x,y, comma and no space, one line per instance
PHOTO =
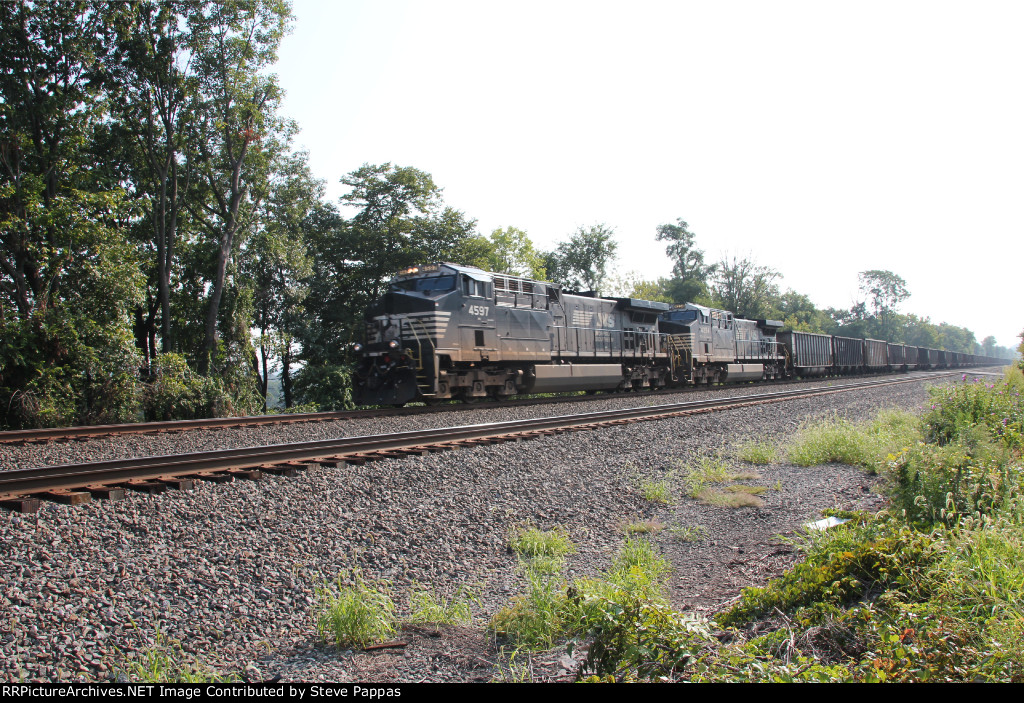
445,331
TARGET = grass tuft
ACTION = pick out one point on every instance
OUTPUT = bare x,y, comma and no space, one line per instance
729,499
762,452
354,614
531,542
651,526
164,662
657,491
426,607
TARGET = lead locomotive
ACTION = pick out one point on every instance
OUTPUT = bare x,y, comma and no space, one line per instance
446,331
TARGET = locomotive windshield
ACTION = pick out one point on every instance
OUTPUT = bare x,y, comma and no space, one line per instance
431,284
681,315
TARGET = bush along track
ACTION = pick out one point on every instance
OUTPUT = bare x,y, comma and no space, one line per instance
929,590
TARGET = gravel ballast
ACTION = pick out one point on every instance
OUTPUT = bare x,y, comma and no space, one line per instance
231,571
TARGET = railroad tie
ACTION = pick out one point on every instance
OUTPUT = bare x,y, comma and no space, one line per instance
20,504
66,497
106,492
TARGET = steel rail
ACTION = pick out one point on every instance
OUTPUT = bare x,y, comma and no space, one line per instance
85,432
20,482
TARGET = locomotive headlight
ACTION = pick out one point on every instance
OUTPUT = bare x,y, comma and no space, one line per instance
357,347
393,344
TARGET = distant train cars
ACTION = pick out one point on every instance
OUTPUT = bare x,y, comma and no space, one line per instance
445,331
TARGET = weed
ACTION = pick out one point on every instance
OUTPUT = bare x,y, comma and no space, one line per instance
164,663
706,470
729,498
536,618
427,608
751,490
550,608
656,491
643,527
356,614
690,533
532,542
762,451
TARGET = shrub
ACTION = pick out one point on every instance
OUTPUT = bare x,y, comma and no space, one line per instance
843,563
997,409
840,441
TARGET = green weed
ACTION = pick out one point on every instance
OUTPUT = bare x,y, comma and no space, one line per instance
657,491
426,607
164,662
762,452
690,533
354,614
532,542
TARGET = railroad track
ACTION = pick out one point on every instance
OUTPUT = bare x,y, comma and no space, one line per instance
88,432
22,489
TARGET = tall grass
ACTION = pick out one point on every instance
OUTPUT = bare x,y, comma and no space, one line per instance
839,441
552,608
354,613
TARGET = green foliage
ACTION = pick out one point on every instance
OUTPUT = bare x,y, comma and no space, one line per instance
583,262
164,663
536,618
744,287
427,608
965,412
842,565
690,533
354,614
840,441
657,491
758,452
638,638
512,252
689,272
531,542
551,609
704,471
327,387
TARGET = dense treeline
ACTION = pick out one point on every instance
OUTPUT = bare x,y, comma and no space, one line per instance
165,250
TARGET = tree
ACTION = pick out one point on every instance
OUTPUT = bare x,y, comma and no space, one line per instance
799,313
401,221
277,263
67,275
512,252
689,272
885,291
153,97
238,132
988,345
745,287
583,262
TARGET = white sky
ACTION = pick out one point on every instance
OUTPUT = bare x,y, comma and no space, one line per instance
821,138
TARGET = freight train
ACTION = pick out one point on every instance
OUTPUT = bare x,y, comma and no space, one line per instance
444,331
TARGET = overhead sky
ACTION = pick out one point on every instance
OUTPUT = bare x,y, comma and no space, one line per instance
819,138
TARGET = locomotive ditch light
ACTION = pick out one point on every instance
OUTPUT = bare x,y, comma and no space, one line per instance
357,347
392,344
